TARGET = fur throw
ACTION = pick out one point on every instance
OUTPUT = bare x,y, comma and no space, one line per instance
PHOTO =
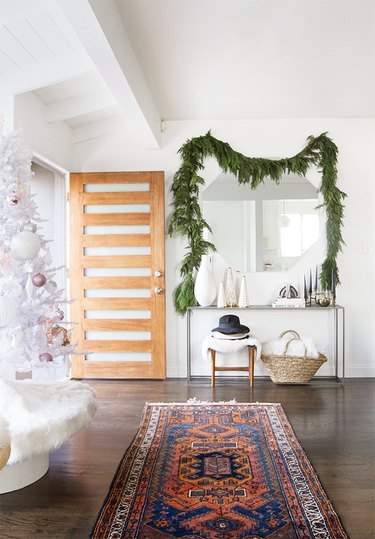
227,346
277,347
41,416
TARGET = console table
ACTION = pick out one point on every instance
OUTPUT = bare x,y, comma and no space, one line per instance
330,319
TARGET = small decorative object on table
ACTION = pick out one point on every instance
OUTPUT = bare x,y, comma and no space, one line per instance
291,359
243,300
230,289
288,297
221,302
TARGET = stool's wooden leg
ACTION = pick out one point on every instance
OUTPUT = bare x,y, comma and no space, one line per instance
251,364
213,357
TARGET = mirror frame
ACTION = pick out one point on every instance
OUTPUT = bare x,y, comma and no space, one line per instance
187,219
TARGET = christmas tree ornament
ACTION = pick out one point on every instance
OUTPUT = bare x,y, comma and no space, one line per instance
45,357
8,311
13,200
31,227
46,322
243,300
230,289
38,280
221,302
5,259
29,287
59,315
58,333
25,245
16,336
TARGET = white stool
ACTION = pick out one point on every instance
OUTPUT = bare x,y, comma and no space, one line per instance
226,346
35,418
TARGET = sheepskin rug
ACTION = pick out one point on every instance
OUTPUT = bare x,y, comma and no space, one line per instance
41,416
227,346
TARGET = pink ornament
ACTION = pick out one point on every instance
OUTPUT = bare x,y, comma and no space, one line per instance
38,280
13,200
5,259
47,323
59,315
45,357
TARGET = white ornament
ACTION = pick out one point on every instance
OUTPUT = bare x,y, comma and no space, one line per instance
205,287
243,300
8,311
29,287
30,226
221,302
25,245
16,336
230,289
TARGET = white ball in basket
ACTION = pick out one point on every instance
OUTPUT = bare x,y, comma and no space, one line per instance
8,311
25,245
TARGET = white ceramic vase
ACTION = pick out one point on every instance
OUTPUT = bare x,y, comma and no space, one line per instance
205,287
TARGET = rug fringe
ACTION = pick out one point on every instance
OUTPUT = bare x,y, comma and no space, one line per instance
194,400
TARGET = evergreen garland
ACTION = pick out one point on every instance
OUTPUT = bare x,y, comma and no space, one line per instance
187,218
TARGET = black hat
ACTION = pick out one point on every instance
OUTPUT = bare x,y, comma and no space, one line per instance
229,324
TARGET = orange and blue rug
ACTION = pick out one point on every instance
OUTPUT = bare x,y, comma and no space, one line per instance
216,471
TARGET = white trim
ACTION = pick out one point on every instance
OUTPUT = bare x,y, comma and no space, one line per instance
45,162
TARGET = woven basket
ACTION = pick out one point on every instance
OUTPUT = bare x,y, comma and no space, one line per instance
286,369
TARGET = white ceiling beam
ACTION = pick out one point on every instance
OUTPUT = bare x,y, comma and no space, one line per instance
45,73
101,32
13,10
72,107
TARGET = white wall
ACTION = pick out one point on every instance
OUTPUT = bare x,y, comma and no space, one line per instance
355,139
52,140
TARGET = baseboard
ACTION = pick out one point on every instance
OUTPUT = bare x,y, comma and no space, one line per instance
360,372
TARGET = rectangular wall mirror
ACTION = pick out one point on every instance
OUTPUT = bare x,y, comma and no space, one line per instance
266,229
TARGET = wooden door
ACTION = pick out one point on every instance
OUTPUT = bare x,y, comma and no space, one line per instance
117,274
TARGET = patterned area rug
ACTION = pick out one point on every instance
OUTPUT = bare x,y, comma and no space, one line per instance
216,471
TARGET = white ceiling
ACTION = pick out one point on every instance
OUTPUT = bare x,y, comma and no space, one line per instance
125,63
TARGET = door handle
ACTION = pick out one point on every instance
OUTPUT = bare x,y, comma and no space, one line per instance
158,290
158,273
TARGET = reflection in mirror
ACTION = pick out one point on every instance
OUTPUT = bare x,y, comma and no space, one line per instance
266,229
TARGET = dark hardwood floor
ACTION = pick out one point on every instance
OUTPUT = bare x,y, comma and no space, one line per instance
335,424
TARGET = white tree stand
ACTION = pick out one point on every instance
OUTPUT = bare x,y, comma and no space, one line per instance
36,418
22,474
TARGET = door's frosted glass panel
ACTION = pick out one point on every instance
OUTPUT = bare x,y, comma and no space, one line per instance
119,356
117,272
115,187
118,293
117,229
116,208
116,314
116,251
118,335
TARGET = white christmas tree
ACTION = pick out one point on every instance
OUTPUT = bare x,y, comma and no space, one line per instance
30,303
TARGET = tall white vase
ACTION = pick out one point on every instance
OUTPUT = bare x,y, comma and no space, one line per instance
205,286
